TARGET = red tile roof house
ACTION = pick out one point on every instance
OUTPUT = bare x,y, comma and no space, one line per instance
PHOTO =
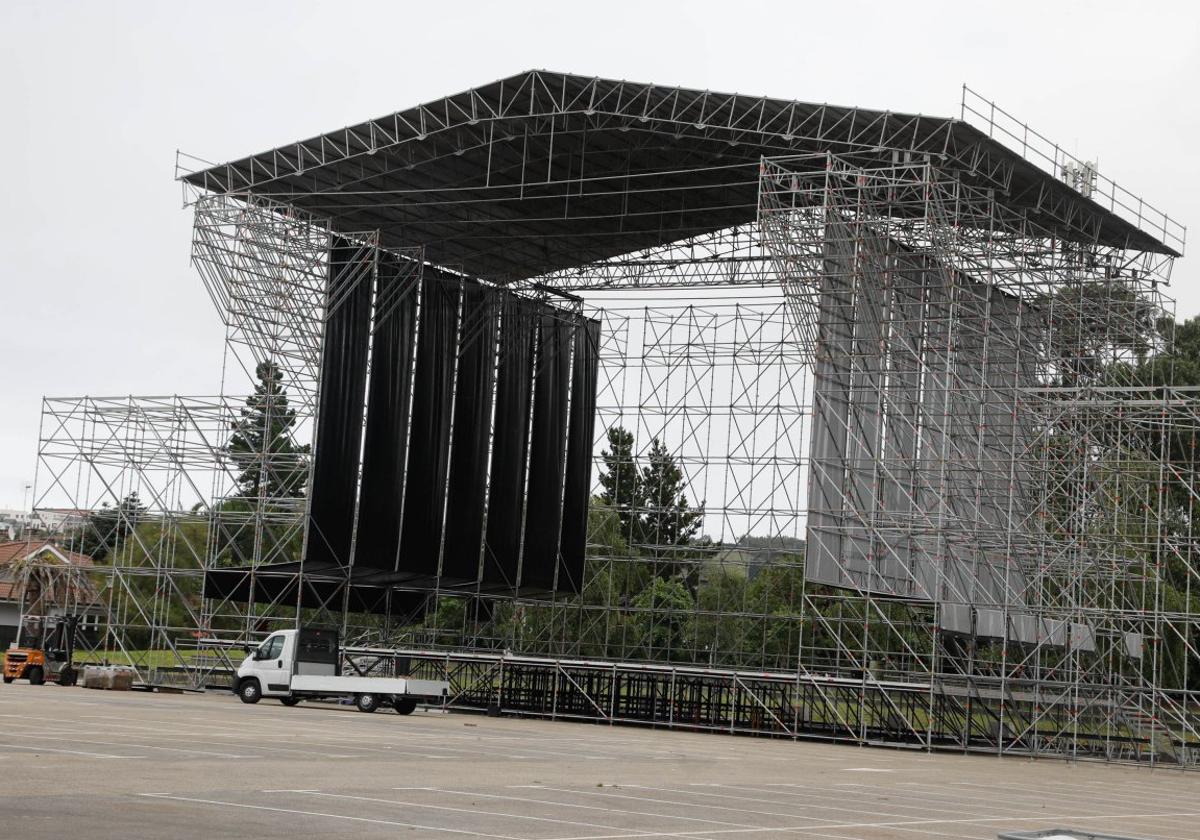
12,552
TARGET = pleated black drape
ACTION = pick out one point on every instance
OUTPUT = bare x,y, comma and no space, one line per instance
506,490
340,407
429,441
548,440
467,494
578,483
388,399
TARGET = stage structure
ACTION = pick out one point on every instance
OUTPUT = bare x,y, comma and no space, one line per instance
912,377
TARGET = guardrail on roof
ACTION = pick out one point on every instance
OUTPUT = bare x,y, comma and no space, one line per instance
1048,156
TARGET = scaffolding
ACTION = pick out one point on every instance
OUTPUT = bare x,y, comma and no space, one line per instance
942,480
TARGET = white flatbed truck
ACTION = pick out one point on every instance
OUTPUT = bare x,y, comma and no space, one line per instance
294,665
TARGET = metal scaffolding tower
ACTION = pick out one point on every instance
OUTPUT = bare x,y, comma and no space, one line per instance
913,372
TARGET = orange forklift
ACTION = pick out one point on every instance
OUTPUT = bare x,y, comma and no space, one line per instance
50,659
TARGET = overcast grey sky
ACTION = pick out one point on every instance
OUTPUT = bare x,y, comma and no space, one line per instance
95,289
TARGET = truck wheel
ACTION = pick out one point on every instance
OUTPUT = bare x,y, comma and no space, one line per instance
366,702
405,705
7,680
67,676
250,691
289,701
36,675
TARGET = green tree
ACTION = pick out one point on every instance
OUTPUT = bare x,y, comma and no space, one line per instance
106,528
661,620
621,489
262,446
651,503
669,519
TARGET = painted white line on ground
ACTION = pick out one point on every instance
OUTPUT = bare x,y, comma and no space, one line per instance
158,731
1050,819
558,804
823,797
473,811
395,823
68,752
1059,792
684,804
75,739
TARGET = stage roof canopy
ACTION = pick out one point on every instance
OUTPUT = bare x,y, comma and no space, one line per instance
544,171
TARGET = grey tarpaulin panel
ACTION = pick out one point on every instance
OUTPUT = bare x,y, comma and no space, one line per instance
905,301
831,405
1054,631
388,397
429,438
1023,628
860,521
863,552
506,479
547,453
933,448
982,494
1083,638
578,484
917,369
955,618
467,493
989,623
340,407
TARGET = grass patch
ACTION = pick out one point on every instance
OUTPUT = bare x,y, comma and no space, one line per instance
148,658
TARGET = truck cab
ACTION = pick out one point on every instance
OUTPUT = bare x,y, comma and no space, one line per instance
293,665
270,663
288,653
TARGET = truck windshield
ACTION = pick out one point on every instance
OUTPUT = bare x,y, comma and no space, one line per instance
271,648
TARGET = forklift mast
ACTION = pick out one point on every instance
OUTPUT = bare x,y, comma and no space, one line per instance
60,642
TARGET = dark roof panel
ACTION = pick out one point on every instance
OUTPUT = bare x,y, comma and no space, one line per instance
544,171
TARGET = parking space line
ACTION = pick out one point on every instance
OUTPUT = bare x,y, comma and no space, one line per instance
395,823
684,804
558,804
78,740
822,804
68,752
1050,819
1059,791
421,805
193,734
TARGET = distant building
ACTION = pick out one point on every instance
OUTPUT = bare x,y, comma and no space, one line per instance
14,524
23,524
82,595
59,520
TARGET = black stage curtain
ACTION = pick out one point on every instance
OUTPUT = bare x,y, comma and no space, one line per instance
548,441
578,484
340,408
429,441
467,494
510,452
388,400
